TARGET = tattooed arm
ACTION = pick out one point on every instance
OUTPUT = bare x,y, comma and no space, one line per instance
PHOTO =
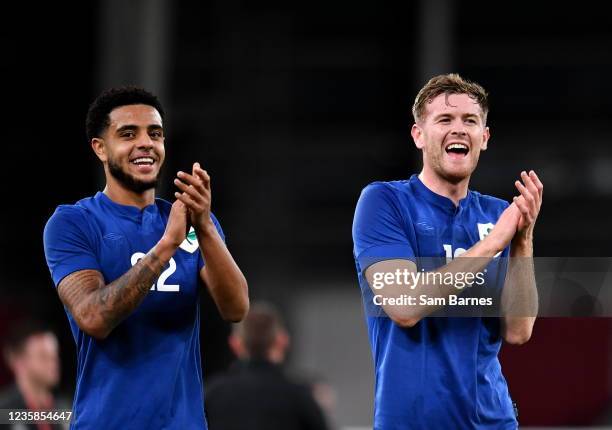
98,307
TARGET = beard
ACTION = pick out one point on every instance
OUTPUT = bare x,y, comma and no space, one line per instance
128,180
450,174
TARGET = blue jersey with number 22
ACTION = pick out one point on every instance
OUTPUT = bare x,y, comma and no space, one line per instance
146,374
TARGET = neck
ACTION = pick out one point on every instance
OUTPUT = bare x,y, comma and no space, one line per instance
119,194
454,191
36,396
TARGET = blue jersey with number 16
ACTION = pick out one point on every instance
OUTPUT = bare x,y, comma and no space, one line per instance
443,373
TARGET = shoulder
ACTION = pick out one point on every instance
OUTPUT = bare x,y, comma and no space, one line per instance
10,398
67,214
380,194
393,197
385,187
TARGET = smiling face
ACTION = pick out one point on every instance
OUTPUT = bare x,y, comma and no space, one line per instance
132,147
451,134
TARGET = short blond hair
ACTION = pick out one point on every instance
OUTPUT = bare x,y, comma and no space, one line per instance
450,83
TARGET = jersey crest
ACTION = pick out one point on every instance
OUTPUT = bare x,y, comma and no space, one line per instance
190,244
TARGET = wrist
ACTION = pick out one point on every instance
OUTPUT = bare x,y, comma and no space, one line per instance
522,245
165,248
492,246
205,227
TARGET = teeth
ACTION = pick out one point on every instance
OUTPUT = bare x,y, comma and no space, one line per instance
143,160
457,146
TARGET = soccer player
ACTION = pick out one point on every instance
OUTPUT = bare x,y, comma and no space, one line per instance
129,275
433,372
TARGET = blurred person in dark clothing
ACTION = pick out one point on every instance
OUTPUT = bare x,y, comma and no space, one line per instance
256,393
31,352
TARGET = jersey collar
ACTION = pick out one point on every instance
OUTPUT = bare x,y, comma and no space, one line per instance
436,199
125,210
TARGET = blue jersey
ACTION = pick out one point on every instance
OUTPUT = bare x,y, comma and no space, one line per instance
443,373
147,373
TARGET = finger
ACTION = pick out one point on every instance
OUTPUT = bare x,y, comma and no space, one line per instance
526,195
521,204
530,185
539,185
179,206
193,193
194,181
202,174
523,207
189,203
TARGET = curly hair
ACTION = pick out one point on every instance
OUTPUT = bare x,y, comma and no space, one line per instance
98,114
451,83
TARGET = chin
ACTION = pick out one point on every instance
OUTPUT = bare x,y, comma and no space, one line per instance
135,183
455,176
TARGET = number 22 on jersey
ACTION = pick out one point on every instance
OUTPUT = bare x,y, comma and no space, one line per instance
161,281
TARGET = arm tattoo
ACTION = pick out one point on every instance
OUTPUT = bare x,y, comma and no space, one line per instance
89,300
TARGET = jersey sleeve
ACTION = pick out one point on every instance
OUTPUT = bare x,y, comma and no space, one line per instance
219,230
67,246
378,228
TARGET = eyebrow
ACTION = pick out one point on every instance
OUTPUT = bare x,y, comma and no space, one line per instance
133,127
467,115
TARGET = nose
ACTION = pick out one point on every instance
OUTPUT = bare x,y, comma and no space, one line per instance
145,142
458,128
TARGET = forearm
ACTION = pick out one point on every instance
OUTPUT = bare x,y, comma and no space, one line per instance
99,308
431,285
225,281
519,296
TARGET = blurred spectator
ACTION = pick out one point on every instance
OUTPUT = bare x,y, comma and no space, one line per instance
31,353
256,393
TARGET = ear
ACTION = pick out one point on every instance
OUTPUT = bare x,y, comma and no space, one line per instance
283,340
236,345
417,136
97,144
485,139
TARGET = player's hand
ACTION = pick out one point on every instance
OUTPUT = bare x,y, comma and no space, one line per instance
196,195
505,228
176,228
529,203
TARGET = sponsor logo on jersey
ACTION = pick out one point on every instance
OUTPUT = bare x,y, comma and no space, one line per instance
484,230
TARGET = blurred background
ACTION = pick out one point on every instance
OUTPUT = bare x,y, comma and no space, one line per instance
293,107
